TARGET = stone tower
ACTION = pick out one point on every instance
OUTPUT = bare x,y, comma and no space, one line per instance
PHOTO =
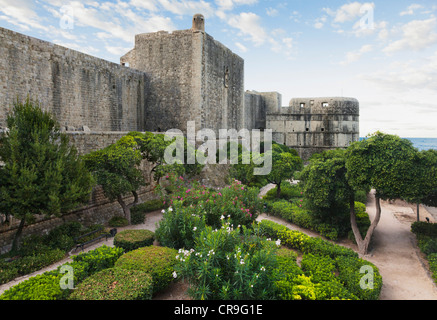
192,77
198,22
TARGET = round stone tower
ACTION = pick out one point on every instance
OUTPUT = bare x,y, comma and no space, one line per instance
198,22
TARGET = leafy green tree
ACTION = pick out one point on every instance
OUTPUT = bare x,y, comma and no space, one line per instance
423,188
326,188
284,166
42,174
382,162
117,171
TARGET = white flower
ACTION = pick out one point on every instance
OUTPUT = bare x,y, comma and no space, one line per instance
241,261
163,211
195,228
175,275
222,217
170,209
278,242
263,269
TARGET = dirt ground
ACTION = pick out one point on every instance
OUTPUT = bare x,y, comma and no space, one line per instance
393,250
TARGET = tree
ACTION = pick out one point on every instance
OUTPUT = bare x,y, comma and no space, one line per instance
117,171
382,162
423,189
284,165
42,173
117,167
326,188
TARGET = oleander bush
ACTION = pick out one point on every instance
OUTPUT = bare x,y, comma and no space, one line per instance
115,284
133,239
159,262
229,264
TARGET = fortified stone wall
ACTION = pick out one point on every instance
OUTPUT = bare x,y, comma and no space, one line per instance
80,90
312,125
257,105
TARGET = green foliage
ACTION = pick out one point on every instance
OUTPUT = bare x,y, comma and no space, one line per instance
288,192
133,239
321,263
179,226
159,262
196,206
46,286
139,211
350,273
115,284
116,168
383,162
424,228
42,172
118,221
327,191
229,264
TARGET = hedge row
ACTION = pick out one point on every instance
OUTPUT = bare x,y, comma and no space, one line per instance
426,235
322,258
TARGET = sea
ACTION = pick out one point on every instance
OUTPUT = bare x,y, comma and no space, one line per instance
422,143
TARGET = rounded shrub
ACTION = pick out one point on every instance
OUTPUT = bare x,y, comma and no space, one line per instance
133,239
159,262
118,221
115,284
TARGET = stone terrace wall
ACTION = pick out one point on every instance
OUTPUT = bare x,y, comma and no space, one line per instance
80,90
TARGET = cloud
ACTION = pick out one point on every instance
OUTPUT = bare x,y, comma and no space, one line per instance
403,77
410,10
320,22
349,11
249,25
354,56
272,12
21,13
117,51
241,47
417,35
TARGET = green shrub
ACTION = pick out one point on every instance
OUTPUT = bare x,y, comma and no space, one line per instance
229,264
288,192
115,284
138,212
40,287
350,273
159,262
302,242
285,273
46,286
118,222
361,196
180,225
100,258
432,260
424,228
282,209
133,239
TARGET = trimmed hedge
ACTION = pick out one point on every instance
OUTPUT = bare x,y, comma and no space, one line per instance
118,222
115,284
46,286
159,262
426,235
130,240
321,260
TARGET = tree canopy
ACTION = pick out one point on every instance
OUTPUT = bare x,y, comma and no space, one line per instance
42,172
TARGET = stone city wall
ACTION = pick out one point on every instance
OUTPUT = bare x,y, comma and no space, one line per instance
80,90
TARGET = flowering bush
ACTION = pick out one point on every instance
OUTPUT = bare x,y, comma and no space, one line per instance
229,264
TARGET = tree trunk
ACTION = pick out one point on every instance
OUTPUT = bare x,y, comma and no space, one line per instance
418,208
17,237
363,245
126,207
278,191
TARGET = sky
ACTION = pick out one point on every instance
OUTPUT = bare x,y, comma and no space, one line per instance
383,53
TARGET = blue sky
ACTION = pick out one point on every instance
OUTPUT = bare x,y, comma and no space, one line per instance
382,52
